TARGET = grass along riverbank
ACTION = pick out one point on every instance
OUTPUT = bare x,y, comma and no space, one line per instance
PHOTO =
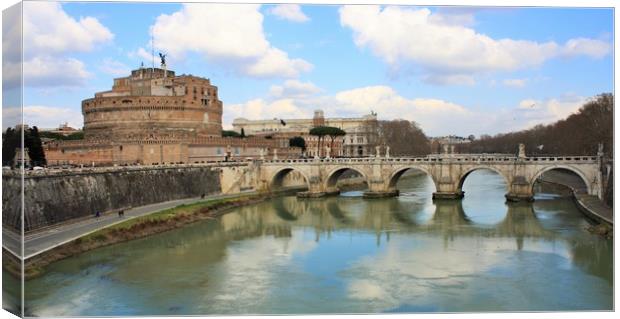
138,227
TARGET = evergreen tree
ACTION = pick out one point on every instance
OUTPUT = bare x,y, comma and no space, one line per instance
242,132
10,142
298,141
35,147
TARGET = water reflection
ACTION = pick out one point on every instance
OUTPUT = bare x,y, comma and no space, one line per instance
345,254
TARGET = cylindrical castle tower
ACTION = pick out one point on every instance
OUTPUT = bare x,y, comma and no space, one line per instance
154,104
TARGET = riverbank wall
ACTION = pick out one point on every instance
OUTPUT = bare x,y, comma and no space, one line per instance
591,206
64,196
55,198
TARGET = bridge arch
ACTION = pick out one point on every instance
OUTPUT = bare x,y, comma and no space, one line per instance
569,168
396,175
333,175
467,172
278,177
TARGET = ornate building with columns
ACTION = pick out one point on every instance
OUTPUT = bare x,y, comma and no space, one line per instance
360,140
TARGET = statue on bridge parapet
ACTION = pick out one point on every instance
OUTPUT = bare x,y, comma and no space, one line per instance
262,154
521,150
275,154
387,152
328,151
377,151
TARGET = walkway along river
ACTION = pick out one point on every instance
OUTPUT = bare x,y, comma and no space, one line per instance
348,255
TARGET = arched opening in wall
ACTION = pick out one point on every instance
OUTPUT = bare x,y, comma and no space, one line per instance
485,190
347,182
289,179
412,182
558,182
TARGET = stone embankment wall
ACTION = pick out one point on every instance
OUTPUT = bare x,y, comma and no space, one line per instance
53,198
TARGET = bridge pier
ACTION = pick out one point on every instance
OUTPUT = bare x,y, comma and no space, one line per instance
520,190
512,197
448,195
384,194
309,194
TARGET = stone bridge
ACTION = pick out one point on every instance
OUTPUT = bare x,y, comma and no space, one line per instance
448,172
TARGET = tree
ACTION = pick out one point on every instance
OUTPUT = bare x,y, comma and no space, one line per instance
73,136
578,134
32,140
242,132
320,132
405,138
333,133
11,140
297,141
227,133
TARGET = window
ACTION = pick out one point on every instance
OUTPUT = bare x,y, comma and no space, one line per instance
219,151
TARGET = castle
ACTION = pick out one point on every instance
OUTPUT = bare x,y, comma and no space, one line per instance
156,117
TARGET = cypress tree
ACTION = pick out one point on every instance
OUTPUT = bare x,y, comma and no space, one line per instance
35,147
10,141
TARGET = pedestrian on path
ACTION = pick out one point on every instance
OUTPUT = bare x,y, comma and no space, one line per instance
97,214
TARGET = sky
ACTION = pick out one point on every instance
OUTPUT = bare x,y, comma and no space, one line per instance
453,70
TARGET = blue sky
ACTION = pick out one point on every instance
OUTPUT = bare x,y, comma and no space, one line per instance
453,70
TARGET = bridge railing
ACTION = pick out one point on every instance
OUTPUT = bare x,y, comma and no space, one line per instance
106,169
430,159
461,158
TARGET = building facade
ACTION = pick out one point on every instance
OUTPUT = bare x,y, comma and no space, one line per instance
449,144
360,140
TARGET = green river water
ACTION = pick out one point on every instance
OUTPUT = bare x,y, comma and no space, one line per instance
346,254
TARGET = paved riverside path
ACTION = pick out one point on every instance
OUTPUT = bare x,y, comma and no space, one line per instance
46,239
592,204
596,207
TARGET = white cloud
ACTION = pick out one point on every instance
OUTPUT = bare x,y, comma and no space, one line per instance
531,112
459,16
276,62
517,83
228,33
391,104
49,35
48,29
402,36
299,100
51,71
141,53
113,67
449,79
296,99
294,88
588,47
11,34
291,12
264,109
42,116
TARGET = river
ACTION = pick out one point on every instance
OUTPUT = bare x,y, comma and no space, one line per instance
346,254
